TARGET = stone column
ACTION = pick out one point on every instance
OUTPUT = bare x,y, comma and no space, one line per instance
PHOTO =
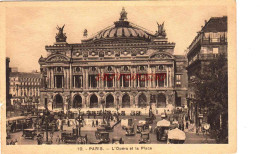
70,72
52,78
171,77
167,76
119,76
84,78
87,79
64,80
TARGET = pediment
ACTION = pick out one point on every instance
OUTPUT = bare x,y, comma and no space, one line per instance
161,56
57,58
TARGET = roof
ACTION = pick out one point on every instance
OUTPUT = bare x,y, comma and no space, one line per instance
163,123
25,75
122,29
216,24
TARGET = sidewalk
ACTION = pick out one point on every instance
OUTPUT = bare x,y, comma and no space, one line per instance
193,138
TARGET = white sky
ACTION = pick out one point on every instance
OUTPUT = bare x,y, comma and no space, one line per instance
29,29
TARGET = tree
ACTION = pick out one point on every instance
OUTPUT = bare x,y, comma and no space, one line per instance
211,90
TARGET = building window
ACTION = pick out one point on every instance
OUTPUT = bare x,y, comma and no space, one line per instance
93,81
178,84
215,50
77,69
93,69
141,68
161,67
77,81
109,78
109,68
178,77
58,81
125,80
160,79
142,80
125,68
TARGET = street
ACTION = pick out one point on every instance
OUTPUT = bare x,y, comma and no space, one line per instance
191,137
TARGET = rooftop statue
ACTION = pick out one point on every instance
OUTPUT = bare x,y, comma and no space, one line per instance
161,31
60,36
123,15
85,34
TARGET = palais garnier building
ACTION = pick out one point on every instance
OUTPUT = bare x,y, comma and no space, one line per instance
123,67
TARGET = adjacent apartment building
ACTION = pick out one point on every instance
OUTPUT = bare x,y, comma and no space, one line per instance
210,41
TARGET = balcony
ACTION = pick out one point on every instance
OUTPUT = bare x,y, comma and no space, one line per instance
199,57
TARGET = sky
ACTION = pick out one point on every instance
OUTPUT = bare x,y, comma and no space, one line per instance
29,29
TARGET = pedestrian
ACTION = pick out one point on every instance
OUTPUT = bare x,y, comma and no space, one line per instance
187,124
16,142
93,123
86,138
58,139
97,122
68,121
61,126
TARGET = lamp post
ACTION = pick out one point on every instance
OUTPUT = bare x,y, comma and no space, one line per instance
117,100
103,105
79,119
46,118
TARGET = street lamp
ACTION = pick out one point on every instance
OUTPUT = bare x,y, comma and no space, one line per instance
80,120
103,105
46,118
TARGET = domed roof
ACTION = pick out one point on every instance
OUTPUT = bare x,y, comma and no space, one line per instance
122,29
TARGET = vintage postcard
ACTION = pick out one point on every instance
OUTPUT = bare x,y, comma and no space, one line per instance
118,77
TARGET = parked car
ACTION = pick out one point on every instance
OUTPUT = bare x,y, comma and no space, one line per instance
29,133
144,138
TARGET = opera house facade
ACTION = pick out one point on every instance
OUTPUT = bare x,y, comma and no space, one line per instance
123,67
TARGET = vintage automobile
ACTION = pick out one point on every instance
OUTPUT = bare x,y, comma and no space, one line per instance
141,127
117,140
132,113
149,120
144,138
102,137
126,122
138,113
122,113
176,136
161,130
107,127
130,131
69,138
29,133
17,123
162,133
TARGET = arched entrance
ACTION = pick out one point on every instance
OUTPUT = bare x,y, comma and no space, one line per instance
58,101
109,101
142,101
126,101
161,101
93,101
77,102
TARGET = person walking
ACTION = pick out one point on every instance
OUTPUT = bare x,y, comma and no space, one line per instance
97,122
68,121
58,139
93,123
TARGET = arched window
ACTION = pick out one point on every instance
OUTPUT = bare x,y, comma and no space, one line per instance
109,101
126,101
93,101
161,101
58,101
142,101
77,102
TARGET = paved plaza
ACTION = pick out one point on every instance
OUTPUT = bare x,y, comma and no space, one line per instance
191,137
